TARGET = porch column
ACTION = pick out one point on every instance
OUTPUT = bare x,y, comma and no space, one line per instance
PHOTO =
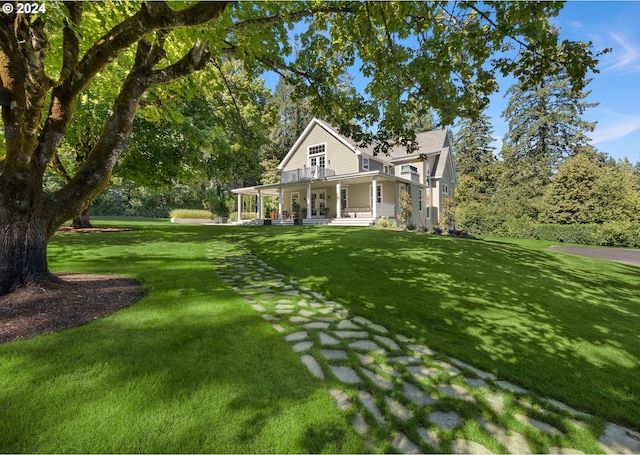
260,208
308,200
239,207
280,203
338,201
374,198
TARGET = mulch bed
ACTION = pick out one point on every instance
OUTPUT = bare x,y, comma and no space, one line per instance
32,311
70,229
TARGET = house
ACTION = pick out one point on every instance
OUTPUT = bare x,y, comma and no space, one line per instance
328,178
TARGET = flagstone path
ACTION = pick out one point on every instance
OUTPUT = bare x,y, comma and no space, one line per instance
403,396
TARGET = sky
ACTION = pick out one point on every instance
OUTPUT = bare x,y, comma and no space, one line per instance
607,24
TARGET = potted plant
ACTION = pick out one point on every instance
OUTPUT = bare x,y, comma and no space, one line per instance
296,211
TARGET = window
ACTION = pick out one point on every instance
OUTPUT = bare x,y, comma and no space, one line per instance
445,191
420,201
317,160
365,164
343,198
317,149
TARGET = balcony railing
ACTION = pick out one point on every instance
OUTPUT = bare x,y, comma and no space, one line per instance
308,173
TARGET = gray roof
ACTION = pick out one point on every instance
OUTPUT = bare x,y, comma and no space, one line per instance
435,141
428,142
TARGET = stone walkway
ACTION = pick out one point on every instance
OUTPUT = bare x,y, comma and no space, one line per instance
403,396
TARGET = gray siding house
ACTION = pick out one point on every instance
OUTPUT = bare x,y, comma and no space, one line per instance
327,178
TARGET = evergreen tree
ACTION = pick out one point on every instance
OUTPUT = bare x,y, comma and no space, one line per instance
572,196
545,127
474,158
293,115
618,189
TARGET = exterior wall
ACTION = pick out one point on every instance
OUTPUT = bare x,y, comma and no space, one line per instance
339,157
415,203
375,165
358,195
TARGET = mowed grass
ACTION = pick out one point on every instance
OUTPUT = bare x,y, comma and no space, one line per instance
191,368
563,326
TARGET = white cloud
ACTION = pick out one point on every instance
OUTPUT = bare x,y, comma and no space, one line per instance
613,126
625,57
576,24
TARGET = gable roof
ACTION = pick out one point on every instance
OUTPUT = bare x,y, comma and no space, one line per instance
430,143
328,128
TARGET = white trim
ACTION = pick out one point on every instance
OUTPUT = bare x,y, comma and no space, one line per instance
344,188
378,185
317,155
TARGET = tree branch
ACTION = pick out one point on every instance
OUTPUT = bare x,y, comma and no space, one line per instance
70,42
94,175
292,16
152,16
233,98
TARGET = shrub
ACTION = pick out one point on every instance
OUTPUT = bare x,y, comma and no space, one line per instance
383,222
187,213
520,228
619,233
410,225
460,234
585,234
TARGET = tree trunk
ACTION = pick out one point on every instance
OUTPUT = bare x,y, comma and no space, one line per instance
23,255
82,221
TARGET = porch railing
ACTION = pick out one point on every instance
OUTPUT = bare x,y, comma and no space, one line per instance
386,209
308,173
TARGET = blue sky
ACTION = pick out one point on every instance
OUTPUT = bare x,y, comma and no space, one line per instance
608,24
616,87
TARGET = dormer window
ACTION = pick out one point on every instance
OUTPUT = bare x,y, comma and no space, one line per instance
365,164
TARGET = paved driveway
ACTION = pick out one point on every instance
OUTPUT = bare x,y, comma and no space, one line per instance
623,255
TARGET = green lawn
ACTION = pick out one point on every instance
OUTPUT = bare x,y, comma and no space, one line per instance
561,325
192,368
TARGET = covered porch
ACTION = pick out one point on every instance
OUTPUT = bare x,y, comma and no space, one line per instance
366,196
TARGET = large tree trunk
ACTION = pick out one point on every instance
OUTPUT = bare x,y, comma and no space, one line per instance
23,255
82,221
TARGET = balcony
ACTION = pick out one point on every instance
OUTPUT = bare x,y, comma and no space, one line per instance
306,174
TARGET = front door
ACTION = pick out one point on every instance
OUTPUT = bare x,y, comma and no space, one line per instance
318,203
